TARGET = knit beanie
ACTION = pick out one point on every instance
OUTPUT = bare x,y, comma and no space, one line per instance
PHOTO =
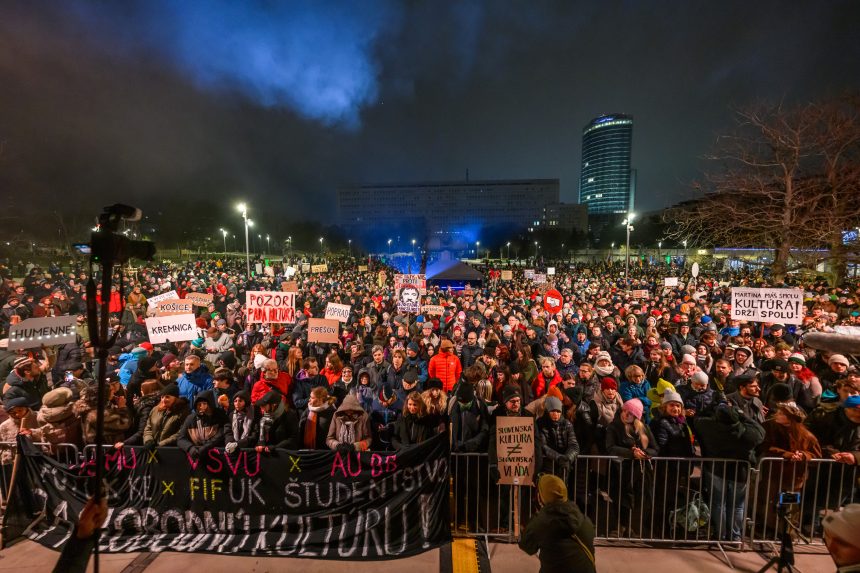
552,488
634,406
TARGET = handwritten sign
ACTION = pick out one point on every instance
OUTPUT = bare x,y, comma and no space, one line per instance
418,281
783,305
323,330
319,268
670,281
529,273
35,332
338,312
306,267
507,275
550,271
290,272
172,307
154,300
199,298
171,328
539,278
290,286
436,309
269,271
268,307
362,268
515,449
639,293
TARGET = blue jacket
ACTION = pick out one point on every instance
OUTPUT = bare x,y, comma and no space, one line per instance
129,366
192,384
629,390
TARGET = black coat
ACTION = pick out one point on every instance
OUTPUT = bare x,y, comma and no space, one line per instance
411,430
323,421
734,441
673,438
469,428
619,443
557,440
283,432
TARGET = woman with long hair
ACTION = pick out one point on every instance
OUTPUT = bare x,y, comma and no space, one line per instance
414,426
294,361
333,368
657,367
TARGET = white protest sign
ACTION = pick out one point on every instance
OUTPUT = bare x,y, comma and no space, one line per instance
670,281
154,300
35,332
529,273
306,267
695,270
640,293
258,268
784,305
539,278
290,271
418,281
174,306
269,271
550,271
267,307
339,312
174,328
436,309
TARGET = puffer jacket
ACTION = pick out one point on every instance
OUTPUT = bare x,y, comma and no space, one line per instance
60,424
201,433
192,384
162,427
673,437
629,390
704,403
558,440
144,407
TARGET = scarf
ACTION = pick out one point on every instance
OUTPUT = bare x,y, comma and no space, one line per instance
241,424
310,436
346,432
605,370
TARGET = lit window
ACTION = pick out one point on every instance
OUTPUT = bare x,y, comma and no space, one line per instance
591,179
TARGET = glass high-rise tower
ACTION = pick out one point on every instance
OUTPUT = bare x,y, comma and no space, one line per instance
607,183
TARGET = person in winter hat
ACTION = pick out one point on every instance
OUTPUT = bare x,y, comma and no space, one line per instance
204,428
118,418
242,426
22,420
558,439
278,425
57,418
350,430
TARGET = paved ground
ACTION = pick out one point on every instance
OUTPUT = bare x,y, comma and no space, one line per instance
29,557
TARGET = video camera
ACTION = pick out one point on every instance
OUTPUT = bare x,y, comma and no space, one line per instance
788,498
108,245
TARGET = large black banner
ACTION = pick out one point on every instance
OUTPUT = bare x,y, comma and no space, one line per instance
317,504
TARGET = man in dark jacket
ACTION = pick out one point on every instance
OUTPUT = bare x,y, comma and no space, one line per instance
557,439
279,424
204,428
562,534
747,397
469,423
728,434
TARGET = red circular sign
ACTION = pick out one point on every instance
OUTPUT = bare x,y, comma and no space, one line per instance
552,301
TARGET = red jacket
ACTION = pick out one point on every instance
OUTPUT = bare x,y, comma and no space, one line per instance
261,386
446,367
540,385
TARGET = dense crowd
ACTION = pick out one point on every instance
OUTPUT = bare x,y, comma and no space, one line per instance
667,375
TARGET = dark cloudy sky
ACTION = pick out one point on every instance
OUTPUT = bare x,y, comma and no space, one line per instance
184,103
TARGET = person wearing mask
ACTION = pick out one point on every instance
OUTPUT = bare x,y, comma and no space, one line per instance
559,531
242,426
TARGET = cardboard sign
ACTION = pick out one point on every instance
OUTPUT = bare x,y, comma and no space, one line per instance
515,449
35,332
319,268
269,272
418,281
173,307
154,300
507,275
171,328
323,330
436,309
306,267
290,286
550,271
268,307
783,305
695,270
258,268
640,294
338,312
362,268
539,278
529,273
199,298
670,281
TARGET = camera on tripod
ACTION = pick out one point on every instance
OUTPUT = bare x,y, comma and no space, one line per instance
109,245
788,498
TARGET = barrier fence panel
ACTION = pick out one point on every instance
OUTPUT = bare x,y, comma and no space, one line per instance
64,453
479,507
823,485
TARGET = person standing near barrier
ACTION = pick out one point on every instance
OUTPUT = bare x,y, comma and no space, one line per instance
727,434
559,531
558,440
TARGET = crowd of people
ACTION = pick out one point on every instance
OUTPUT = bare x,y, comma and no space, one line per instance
671,374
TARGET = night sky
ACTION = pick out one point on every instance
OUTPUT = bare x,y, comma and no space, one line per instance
278,103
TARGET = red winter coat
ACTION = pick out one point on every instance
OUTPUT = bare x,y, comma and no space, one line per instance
261,386
540,385
446,367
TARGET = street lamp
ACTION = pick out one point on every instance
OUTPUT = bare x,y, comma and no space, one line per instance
389,247
321,244
684,242
628,222
478,249
267,244
243,208
290,243
536,251
224,232
509,250
349,243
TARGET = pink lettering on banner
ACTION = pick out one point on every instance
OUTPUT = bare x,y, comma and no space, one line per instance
346,469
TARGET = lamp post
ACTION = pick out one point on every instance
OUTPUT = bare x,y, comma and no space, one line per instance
536,251
628,222
290,243
389,247
267,244
413,247
478,249
224,233
243,208
684,242
349,243
321,245
509,250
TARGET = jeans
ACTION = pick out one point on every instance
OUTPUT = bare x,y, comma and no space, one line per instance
726,497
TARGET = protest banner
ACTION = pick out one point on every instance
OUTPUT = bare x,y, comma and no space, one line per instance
640,293
35,332
670,281
290,286
323,330
436,309
175,328
529,273
362,268
338,312
539,278
154,300
784,305
172,307
199,298
319,268
550,271
515,449
318,504
507,275
267,307
418,281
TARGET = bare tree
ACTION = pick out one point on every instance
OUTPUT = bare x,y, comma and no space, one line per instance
786,177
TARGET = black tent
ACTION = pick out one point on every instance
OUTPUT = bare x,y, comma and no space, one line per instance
454,274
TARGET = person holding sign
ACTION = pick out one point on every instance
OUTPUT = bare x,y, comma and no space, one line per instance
559,531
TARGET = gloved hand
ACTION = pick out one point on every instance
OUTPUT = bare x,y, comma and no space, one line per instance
149,446
562,463
231,447
344,447
495,476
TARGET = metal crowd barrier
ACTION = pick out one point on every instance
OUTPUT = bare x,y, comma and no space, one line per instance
66,454
824,485
681,501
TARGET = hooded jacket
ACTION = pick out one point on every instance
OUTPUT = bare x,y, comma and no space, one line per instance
357,432
201,433
58,421
192,384
162,427
564,537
